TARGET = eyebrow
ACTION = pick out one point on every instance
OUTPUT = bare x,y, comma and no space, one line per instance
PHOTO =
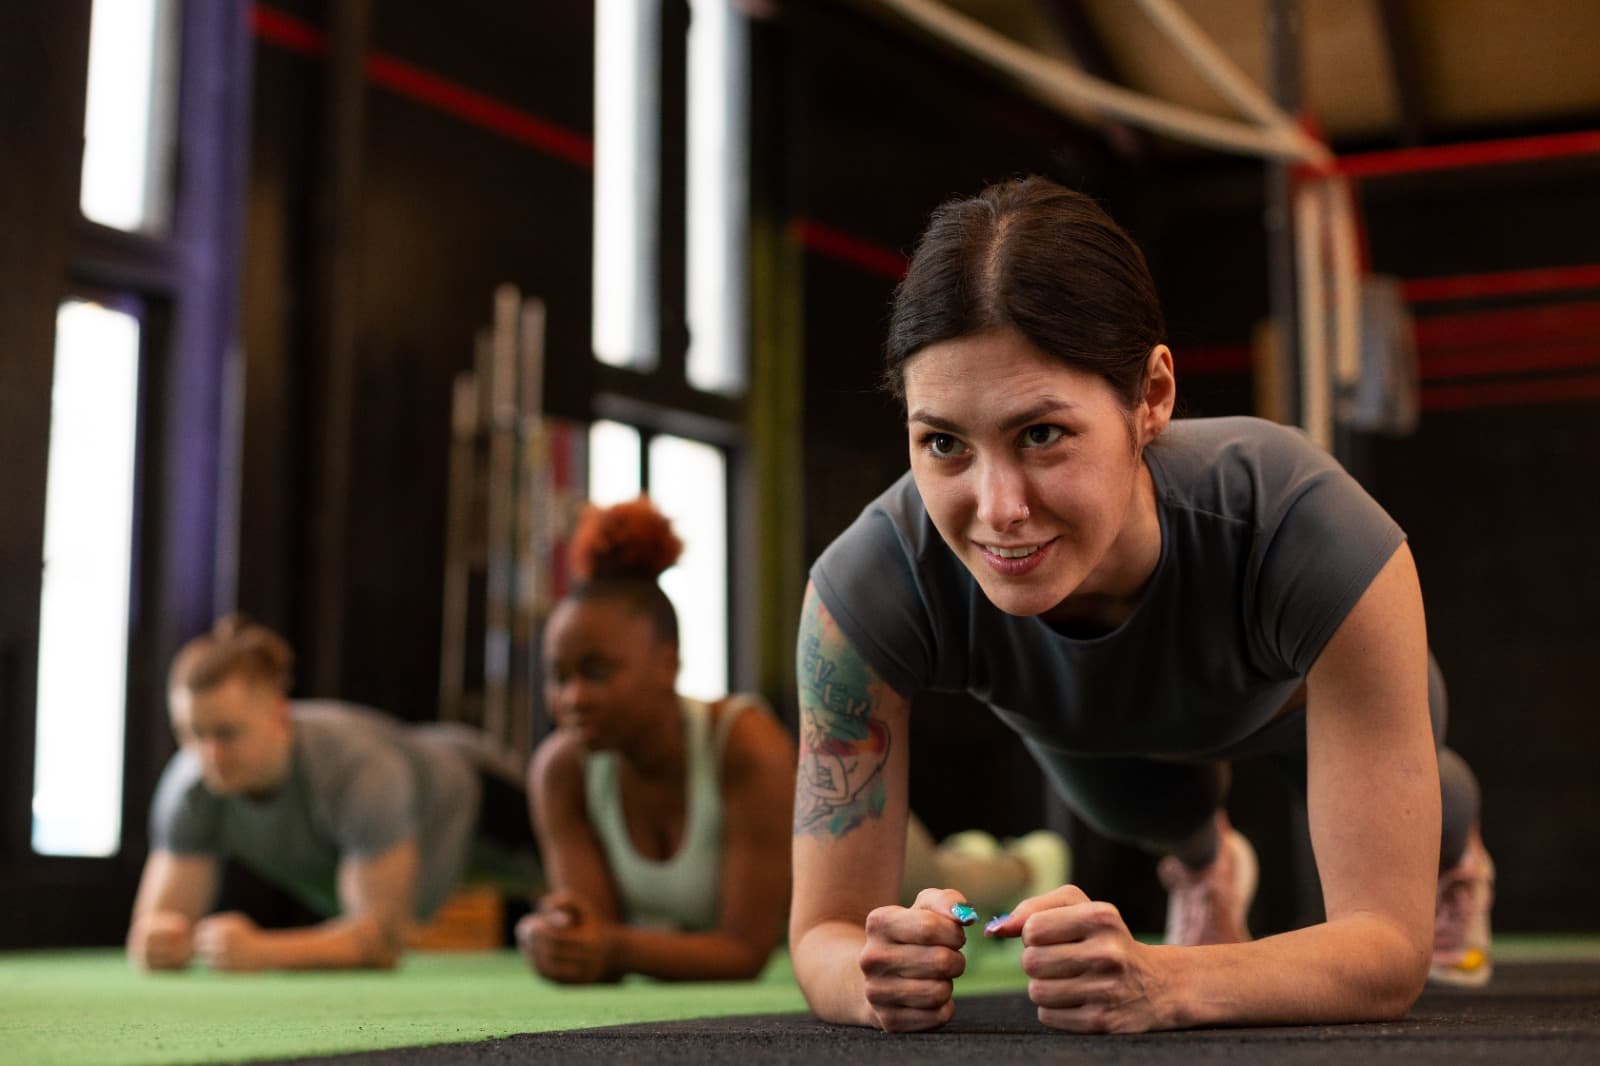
1026,416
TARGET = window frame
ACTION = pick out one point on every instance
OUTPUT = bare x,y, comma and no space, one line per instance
186,279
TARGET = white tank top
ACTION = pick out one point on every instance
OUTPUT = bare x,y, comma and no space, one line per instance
679,892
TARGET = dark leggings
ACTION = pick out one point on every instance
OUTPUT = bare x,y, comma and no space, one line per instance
1166,807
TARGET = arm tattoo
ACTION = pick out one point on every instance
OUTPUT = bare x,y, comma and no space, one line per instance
843,749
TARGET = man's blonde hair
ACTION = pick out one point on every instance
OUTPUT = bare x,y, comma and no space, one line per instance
235,647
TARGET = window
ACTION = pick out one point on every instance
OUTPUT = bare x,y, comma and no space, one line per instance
627,186
638,245
81,705
130,114
615,472
627,196
687,481
83,624
718,219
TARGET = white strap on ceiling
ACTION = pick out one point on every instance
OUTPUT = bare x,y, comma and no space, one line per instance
1274,136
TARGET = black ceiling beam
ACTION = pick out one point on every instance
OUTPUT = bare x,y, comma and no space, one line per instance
1400,40
1089,51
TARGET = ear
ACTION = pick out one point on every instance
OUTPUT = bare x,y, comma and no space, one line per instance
177,709
1160,393
280,709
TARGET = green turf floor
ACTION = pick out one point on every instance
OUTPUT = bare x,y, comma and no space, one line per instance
90,1007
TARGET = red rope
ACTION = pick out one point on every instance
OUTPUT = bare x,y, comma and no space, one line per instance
1473,154
1509,393
1501,283
837,244
424,87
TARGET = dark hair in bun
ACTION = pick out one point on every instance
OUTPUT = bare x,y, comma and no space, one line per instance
618,552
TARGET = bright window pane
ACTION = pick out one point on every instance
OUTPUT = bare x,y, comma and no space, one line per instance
614,474
688,484
627,115
129,114
718,198
83,622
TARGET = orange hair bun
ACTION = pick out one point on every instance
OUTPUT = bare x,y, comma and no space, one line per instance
627,540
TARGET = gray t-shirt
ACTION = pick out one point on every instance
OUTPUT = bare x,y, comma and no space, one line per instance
359,783
1266,545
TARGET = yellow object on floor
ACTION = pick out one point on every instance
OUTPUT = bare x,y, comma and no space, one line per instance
473,918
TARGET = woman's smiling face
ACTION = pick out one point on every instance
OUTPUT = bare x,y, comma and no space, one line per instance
1032,470
607,673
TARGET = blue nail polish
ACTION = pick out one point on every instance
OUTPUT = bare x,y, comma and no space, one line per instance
996,922
963,914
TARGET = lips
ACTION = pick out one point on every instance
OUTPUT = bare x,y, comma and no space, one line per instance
1015,560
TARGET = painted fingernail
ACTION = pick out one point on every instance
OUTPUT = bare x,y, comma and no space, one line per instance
963,914
996,922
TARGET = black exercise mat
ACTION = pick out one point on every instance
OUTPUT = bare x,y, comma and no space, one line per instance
1539,1013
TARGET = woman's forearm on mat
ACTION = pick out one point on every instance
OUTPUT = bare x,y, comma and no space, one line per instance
827,966
669,956
1358,968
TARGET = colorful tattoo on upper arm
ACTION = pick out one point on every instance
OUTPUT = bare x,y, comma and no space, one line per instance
843,748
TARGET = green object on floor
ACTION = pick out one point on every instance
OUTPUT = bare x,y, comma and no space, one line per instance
91,1007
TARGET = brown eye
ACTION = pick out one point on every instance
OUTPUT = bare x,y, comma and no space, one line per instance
1041,436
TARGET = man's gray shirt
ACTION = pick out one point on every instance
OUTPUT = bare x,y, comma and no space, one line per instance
359,783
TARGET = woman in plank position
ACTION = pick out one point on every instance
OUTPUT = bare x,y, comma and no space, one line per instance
665,821
1142,600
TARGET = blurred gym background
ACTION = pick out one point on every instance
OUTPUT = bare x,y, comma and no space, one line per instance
334,311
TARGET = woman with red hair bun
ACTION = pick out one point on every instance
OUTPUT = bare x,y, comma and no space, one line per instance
667,819
665,822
